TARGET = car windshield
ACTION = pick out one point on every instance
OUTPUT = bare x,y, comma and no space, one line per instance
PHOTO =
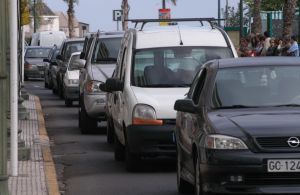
172,67
73,47
37,52
106,50
73,64
257,87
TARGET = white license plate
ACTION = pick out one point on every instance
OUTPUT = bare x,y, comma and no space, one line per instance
281,165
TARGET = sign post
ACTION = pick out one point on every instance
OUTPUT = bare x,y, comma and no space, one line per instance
117,16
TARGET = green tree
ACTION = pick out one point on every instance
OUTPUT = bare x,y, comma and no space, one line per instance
71,16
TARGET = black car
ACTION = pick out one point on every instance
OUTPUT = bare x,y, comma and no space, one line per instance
238,130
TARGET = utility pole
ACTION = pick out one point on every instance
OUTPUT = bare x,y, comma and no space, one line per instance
164,4
219,12
34,16
4,102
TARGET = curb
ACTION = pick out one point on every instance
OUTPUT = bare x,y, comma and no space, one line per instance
50,172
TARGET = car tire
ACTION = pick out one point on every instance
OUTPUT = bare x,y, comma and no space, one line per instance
50,85
86,123
183,186
119,151
198,190
68,102
54,90
132,160
110,131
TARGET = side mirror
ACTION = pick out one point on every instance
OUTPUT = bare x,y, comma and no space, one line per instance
111,85
82,54
79,63
185,105
59,57
46,60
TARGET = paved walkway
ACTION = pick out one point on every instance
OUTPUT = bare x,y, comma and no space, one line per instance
36,176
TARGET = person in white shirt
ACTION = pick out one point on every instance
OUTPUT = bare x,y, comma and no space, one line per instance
294,49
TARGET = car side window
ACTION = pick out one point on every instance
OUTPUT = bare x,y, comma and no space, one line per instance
194,84
199,87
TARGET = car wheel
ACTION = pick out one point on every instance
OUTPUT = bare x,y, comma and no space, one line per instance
197,184
60,91
50,83
54,90
119,151
68,102
110,131
131,159
182,185
86,123
25,78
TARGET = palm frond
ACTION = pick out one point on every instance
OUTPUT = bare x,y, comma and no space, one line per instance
174,1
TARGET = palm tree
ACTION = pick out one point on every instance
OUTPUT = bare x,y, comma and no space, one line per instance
256,26
288,16
71,15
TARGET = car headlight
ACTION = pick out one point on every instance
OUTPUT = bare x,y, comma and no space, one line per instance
145,115
224,142
73,81
93,86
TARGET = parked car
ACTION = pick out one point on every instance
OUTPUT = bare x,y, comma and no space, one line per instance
99,56
71,80
33,65
155,67
68,47
50,63
237,130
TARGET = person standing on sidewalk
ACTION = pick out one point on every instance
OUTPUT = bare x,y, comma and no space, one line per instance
266,44
294,49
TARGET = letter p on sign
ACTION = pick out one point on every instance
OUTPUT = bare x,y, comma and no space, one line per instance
117,15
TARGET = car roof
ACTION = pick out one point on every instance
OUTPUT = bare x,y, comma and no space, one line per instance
170,36
258,61
38,47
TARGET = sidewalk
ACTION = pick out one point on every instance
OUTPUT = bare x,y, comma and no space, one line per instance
37,176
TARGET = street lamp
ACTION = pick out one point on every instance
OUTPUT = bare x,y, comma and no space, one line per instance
164,4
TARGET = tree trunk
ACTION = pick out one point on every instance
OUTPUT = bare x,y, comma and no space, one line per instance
288,16
125,8
256,26
71,18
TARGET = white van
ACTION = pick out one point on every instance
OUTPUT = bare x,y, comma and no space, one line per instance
48,38
155,67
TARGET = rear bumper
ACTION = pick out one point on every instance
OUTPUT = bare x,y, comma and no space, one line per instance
148,140
72,93
95,105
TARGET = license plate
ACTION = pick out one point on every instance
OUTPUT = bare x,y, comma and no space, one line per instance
281,165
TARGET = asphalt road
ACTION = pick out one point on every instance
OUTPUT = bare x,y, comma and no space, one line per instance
85,163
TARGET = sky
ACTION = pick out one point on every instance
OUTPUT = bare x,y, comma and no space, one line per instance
99,13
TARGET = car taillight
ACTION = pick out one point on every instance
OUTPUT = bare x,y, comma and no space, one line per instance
27,65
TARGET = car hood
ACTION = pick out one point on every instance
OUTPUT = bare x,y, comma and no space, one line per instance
36,61
73,74
102,72
161,99
256,123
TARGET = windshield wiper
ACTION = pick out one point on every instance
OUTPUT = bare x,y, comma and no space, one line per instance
287,105
236,106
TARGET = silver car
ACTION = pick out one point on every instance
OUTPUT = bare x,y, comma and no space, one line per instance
34,65
100,62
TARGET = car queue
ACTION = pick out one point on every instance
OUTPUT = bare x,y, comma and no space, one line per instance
180,91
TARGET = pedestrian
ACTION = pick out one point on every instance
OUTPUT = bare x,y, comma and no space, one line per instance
285,46
279,43
266,43
260,45
272,50
294,49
